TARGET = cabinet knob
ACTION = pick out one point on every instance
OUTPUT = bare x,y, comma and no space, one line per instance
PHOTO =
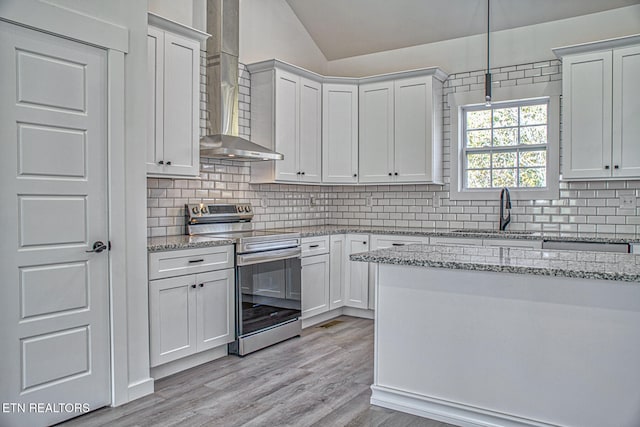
168,163
616,167
364,243
396,173
355,175
193,286
390,174
161,162
606,166
302,173
201,285
298,173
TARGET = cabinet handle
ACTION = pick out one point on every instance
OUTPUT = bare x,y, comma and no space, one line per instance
314,246
302,173
193,286
396,174
397,244
161,162
364,243
606,166
355,175
201,285
616,167
193,261
169,162
390,174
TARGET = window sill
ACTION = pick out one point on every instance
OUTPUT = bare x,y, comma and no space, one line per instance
516,194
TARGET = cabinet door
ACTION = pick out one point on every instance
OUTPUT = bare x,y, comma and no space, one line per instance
413,120
155,81
356,273
337,261
181,105
172,315
215,298
310,147
340,133
626,112
286,127
587,103
315,285
376,132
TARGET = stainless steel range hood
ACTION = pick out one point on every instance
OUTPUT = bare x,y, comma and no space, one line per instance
222,88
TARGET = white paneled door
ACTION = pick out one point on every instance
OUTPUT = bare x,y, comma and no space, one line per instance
54,292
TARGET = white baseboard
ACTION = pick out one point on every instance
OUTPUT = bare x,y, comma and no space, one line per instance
358,312
140,389
188,362
444,411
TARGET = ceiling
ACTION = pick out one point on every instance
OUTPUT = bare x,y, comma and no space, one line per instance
345,28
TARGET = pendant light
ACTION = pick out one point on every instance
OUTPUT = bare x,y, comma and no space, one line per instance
487,77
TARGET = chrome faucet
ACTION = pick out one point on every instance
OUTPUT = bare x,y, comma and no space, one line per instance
505,203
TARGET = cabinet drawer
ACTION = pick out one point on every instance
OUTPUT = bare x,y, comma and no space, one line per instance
454,241
512,243
315,245
178,263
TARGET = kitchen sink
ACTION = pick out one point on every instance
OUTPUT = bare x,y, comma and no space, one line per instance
492,232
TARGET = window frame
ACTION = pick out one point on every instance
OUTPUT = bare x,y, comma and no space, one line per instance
548,92
518,148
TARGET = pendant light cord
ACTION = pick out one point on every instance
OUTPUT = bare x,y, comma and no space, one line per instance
487,77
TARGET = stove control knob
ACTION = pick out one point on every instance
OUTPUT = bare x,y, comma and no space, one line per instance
247,209
195,210
204,210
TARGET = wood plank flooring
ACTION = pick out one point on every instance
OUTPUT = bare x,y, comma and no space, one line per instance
320,379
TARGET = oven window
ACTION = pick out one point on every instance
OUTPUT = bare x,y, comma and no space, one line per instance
269,294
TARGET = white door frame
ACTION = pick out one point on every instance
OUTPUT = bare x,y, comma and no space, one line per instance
115,39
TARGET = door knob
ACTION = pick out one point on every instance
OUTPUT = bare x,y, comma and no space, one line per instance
98,247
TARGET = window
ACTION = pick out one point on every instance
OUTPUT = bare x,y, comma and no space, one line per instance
505,145
514,143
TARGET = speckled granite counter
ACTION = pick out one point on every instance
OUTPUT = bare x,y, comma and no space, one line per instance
169,243
587,265
323,230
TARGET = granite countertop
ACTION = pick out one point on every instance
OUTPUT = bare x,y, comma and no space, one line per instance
577,264
323,230
169,243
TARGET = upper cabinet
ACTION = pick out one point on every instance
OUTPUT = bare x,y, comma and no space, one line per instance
340,133
173,73
601,106
286,116
401,130
334,130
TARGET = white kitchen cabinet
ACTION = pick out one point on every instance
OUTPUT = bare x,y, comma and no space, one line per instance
601,103
190,313
286,110
337,262
401,130
340,133
356,273
173,132
315,285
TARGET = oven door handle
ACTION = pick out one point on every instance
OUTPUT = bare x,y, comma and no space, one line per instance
267,256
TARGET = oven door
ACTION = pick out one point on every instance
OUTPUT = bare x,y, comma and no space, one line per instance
267,289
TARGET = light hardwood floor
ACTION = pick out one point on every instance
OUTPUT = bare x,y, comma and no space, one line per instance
320,379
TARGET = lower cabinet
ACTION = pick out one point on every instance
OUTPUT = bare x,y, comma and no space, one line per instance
315,285
356,273
190,313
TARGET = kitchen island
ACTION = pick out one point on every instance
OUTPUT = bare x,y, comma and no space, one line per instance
489,336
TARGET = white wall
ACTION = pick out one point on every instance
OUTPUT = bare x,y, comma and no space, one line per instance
192,13
269,29
517,46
